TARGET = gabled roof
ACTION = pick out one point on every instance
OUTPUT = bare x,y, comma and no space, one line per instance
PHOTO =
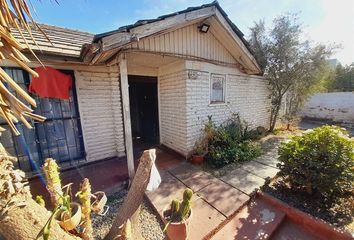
216,4
107,45
64,41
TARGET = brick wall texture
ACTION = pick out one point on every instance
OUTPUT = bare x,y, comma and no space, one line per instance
185,104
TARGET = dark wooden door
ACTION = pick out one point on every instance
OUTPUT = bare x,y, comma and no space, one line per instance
144,108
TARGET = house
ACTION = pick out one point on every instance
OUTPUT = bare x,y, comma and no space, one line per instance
155,81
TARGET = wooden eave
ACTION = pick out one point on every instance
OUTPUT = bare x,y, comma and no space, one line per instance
109,46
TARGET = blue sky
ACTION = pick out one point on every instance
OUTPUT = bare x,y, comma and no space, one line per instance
325,21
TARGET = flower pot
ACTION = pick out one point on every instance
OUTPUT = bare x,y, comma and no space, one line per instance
99,203
69,223
197,159
176,230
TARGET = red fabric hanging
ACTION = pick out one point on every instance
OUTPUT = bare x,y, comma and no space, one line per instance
51,83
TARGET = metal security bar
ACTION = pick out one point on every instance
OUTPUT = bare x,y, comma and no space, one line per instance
59,136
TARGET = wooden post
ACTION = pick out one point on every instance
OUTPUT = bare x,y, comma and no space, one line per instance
126,116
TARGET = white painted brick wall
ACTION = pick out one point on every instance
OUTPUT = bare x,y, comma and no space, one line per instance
245,94
173,130
185,103
100,112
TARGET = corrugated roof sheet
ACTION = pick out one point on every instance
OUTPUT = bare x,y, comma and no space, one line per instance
64,41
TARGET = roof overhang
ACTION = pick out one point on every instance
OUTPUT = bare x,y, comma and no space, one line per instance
107,46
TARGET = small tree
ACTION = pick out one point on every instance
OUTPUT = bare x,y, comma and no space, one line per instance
344,78
288,63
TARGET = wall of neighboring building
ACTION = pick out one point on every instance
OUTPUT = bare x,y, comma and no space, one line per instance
336,106
172,106
245,94
100,110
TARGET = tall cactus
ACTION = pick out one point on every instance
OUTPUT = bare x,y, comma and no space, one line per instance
175,205
85,200
180,210
186,204
50,169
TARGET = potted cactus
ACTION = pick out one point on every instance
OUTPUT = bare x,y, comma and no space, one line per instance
177,216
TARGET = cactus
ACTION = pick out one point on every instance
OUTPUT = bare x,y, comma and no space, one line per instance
186,204
187,194
40,200
85,200
50,169
180,210
175,205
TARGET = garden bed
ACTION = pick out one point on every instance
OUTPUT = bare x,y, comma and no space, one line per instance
316,174
268,146
150,224
339,216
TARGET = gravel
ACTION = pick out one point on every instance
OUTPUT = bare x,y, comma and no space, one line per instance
150,224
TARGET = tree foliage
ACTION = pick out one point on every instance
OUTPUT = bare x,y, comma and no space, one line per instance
289,63
343,79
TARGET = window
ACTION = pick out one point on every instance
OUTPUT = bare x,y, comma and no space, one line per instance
58,137
217,88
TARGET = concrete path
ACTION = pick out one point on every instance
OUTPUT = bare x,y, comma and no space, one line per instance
215,200
252,175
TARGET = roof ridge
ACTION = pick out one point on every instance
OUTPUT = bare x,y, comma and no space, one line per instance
64,28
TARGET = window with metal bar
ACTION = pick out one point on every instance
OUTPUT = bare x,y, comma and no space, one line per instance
59,136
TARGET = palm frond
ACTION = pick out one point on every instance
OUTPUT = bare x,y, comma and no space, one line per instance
15,14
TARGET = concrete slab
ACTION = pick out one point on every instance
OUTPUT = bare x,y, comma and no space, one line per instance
169,189
223,197
243,180
192,177
198,181
184,171
259,169
270,158
204,220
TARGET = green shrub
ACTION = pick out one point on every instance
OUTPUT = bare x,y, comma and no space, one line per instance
229,142
321,159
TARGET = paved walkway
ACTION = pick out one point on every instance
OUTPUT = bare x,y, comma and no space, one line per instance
216,200
252,175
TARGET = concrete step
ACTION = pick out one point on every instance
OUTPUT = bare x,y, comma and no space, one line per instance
257,220
289,230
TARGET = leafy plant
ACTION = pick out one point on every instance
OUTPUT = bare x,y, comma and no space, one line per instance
230,142
180,210
62,211
320,160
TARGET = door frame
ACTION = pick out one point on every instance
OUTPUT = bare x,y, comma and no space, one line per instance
158,139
